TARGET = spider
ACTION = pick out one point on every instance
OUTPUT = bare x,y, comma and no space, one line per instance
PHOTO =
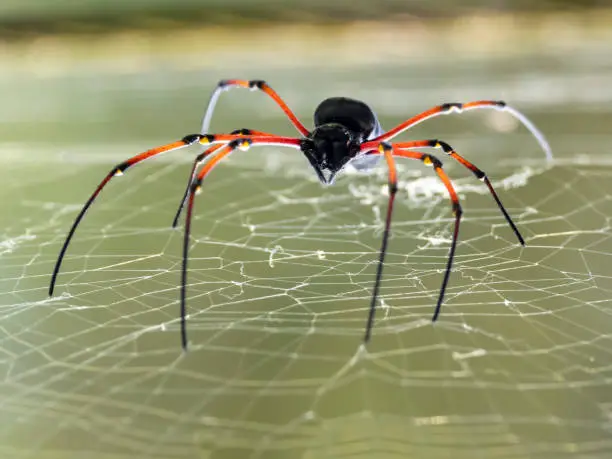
345,131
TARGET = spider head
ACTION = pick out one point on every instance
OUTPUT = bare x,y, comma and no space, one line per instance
329,148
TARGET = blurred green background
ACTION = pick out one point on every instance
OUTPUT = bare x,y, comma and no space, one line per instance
38,16
281,268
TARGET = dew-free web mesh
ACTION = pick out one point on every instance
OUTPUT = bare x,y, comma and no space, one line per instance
280,278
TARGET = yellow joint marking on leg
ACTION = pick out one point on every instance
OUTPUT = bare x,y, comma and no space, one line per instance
118,173
438,145
245,144
381,148
198,190
204,140
427,161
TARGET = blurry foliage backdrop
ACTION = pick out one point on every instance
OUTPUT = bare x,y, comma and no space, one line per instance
25,17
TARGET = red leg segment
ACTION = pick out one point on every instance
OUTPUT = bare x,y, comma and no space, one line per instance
243,143
457,211
119,169
455,107
201,157
434,143
224,85
392,150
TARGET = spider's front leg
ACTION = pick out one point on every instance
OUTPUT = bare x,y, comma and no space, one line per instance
118,170
389,151
450,151
202,157
431,160
243,143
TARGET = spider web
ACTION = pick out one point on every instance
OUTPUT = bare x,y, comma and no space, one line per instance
279,282
280,278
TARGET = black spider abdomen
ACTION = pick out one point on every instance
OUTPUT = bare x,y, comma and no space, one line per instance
350,113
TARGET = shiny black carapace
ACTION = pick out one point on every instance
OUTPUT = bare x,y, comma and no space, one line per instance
346,131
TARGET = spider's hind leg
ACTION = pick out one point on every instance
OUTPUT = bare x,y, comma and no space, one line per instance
225,85
456,107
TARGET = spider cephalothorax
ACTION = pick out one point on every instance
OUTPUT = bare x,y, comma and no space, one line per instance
346,131
329,148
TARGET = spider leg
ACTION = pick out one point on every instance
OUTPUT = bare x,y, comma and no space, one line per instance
390,151
119,169
243,143
455,107
225,85
457,211
387,150
200,158
434,143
